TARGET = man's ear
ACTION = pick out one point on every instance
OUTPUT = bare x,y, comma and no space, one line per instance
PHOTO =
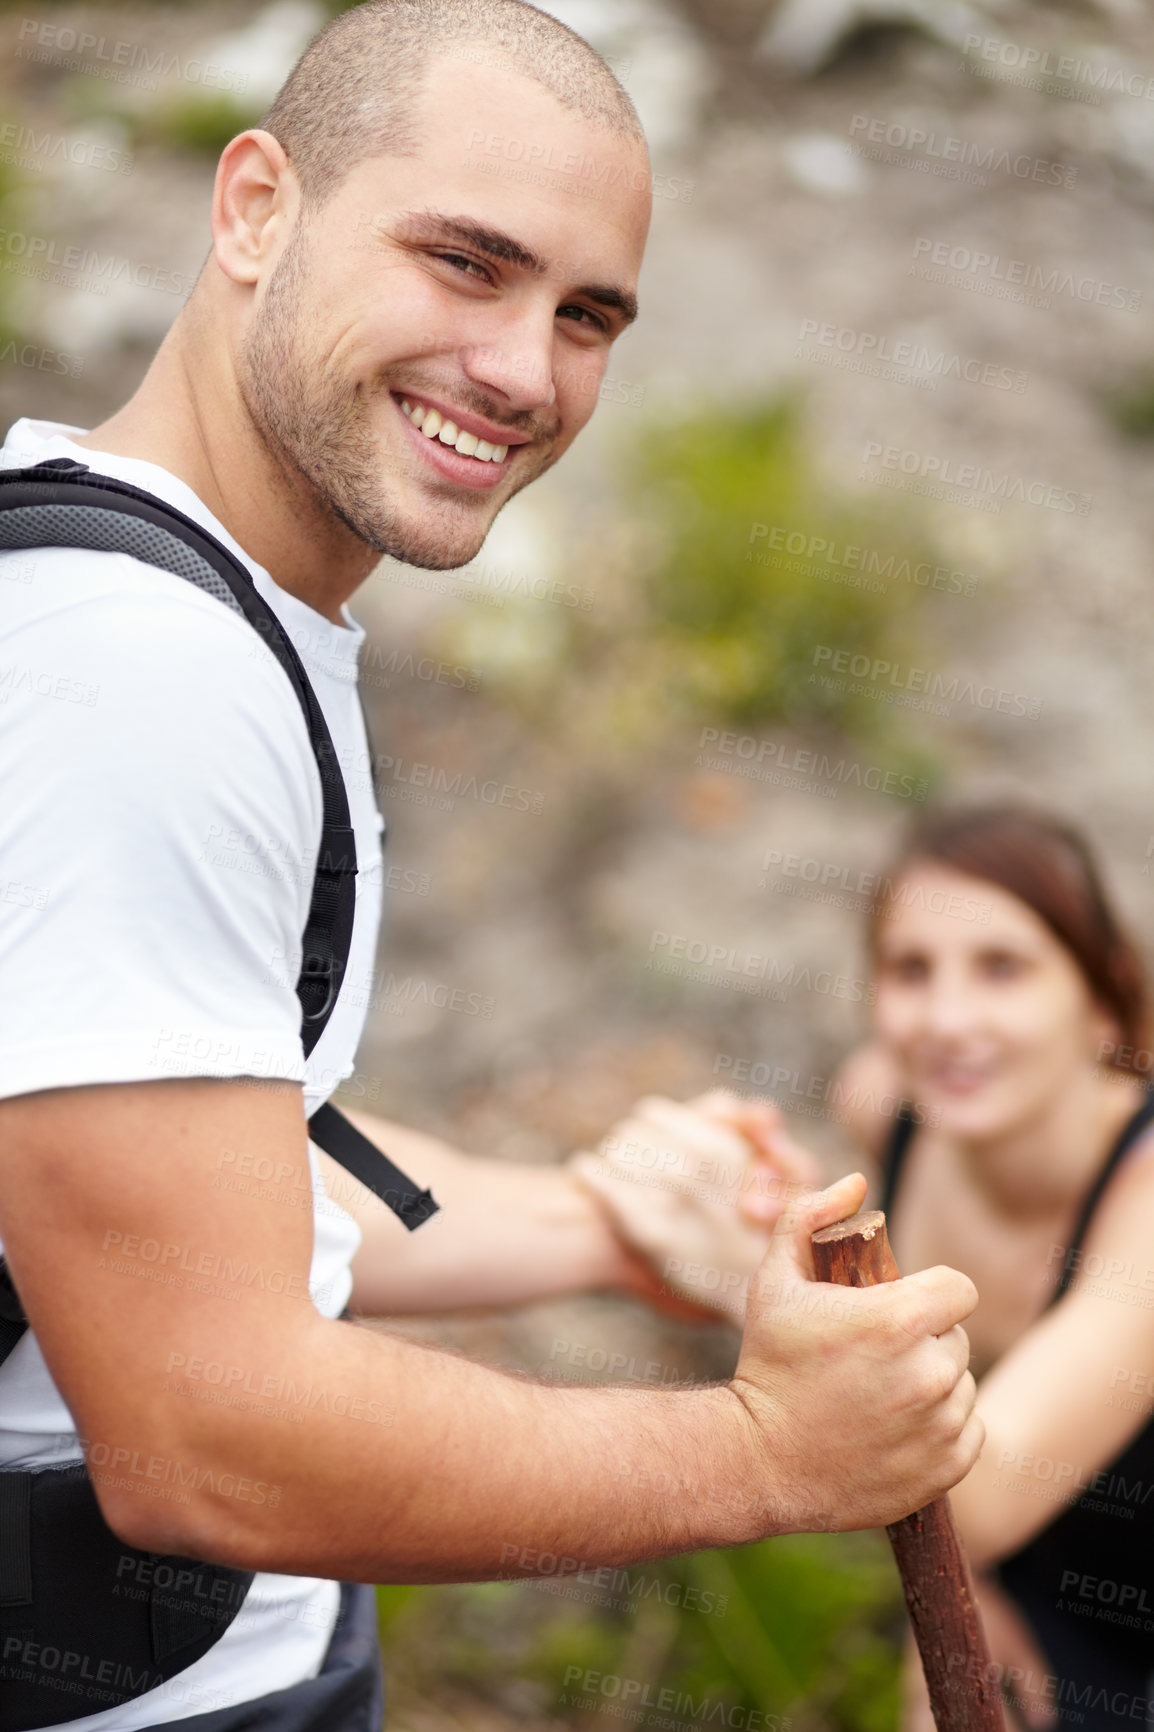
255,204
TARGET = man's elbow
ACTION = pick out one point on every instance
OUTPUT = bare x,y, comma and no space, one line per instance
182,1497
174,1523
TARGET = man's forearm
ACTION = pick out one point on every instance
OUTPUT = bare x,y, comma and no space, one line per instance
411,1465
506,1232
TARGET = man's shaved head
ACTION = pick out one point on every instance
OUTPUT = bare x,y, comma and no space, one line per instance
353,93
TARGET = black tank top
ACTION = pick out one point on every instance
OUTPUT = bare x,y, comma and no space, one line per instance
1070,1577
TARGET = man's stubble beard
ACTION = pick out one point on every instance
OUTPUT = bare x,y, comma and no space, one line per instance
314,423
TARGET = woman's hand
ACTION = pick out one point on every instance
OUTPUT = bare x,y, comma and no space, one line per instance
694,1188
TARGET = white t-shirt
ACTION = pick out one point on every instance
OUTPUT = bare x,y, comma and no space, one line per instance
160,814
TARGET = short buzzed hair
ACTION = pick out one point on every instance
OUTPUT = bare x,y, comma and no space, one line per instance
352,93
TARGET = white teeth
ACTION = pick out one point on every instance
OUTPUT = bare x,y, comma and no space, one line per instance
434,426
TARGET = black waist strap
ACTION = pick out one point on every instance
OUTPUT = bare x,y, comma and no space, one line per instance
87,1622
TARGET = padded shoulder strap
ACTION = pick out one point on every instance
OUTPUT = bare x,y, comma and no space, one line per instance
62,503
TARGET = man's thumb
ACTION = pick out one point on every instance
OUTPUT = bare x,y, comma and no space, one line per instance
789,1248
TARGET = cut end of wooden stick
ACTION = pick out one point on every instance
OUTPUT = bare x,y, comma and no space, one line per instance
855,1252
867,1225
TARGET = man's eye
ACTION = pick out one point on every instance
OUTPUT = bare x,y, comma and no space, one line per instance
462,262
594,321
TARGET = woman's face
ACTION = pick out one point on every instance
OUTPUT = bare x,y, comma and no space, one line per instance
987,1015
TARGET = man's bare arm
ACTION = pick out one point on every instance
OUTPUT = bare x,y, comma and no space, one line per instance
508,1231
175,1318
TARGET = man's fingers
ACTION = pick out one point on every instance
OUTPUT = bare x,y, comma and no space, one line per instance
789,1252
934,1300
957,1344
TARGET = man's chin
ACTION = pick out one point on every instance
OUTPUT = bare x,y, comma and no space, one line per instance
420,541
431,556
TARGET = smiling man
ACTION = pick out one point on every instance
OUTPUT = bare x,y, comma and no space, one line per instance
388,340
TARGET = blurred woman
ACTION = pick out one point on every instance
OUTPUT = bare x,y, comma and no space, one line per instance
1010,1021
1010,1014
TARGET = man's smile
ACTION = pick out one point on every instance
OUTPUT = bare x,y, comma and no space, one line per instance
461,446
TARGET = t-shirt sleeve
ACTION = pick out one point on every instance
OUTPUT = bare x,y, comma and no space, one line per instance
160,815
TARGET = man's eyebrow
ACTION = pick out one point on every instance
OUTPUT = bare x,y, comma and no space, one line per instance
499,245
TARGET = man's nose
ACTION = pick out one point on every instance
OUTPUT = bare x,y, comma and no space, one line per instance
519,366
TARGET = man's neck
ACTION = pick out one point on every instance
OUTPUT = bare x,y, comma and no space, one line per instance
193,422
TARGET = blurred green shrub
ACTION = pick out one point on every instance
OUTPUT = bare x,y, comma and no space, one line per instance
1131,409
805,1628
11,215
721,565
736,618
198,123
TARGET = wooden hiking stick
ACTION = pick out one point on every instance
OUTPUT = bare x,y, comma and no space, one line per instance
935,1574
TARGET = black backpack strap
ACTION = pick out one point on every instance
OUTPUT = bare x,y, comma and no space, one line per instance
62,503
333,1132
13,1322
